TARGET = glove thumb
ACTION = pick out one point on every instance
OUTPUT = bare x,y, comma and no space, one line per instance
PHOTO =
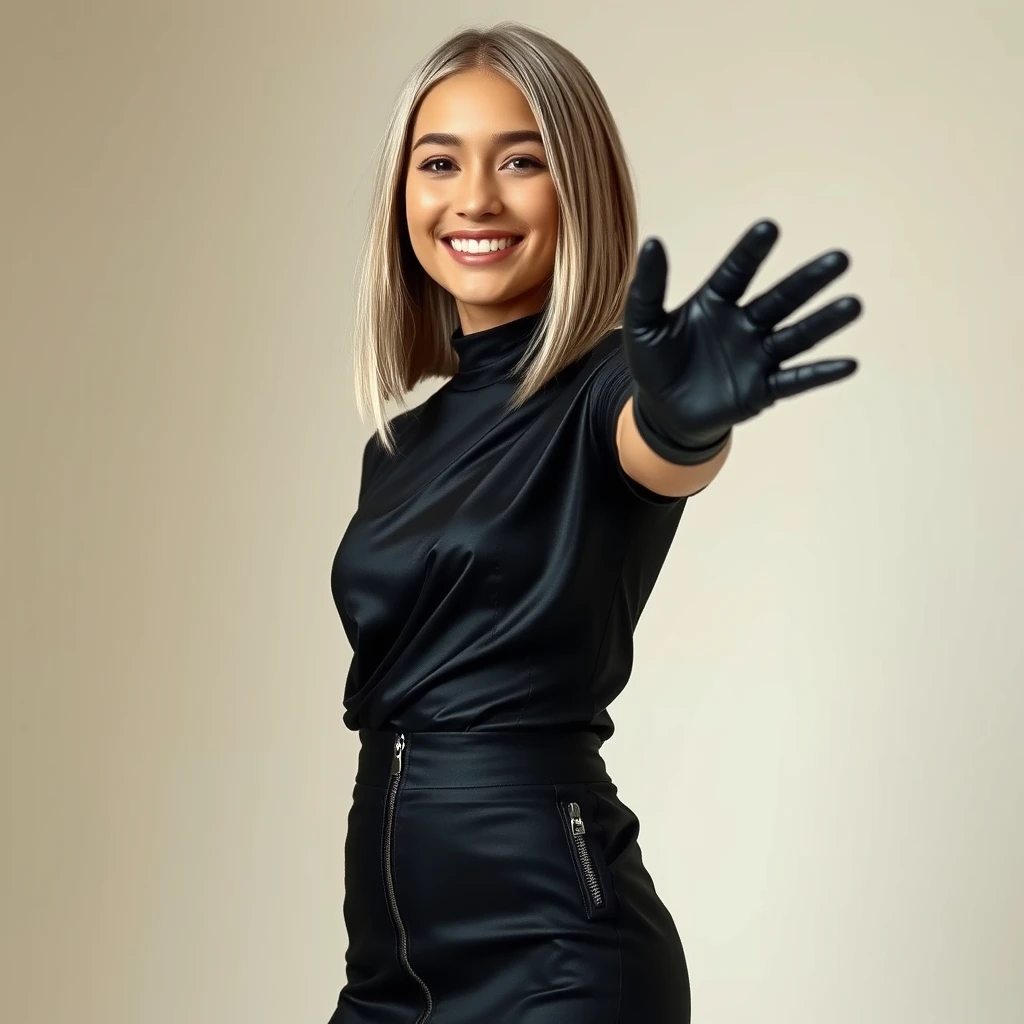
645,301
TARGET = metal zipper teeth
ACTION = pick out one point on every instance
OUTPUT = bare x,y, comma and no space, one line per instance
403,939
578,834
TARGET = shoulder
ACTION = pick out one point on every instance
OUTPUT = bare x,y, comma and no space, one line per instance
588,376
606,384
605,376
402,423
608,351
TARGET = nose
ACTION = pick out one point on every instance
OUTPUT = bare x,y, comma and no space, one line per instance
478,193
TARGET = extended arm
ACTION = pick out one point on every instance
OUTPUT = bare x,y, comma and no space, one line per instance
654,472
712,363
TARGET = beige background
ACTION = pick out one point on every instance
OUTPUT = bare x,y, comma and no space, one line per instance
822,733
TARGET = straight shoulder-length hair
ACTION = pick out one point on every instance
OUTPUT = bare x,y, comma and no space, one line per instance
404,320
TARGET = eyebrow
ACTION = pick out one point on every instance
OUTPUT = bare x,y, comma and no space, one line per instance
498,138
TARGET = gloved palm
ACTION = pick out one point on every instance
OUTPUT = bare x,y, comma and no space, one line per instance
711,363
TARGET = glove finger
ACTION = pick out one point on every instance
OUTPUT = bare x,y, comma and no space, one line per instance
645,301
734,274
799,287
795,380
799,337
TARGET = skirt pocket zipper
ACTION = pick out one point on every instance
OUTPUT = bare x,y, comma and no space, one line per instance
389,881
579,837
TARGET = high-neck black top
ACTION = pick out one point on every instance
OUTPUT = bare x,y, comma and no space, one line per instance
497,565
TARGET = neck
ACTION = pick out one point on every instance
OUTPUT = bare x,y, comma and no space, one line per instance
474,318
489,356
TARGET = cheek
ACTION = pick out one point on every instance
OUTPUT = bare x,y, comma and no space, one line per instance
413,213
547,215
420,211
420,223
550,220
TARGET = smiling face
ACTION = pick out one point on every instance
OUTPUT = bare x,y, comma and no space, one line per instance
476,167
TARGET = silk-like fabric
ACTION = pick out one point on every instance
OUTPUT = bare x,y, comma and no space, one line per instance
499,927
489,583
497,565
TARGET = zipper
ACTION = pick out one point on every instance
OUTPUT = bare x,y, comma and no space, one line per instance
579,834
389,881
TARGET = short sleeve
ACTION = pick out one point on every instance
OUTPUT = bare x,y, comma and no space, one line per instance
609,388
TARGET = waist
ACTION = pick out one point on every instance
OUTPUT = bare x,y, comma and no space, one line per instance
432,760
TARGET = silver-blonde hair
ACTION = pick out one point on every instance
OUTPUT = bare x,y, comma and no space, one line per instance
404,320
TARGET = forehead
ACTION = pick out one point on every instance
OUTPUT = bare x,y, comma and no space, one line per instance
475,102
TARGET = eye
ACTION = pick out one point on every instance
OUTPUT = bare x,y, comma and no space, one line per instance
531,163
437,160
529,160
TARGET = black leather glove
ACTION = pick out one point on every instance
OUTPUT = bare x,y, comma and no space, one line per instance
711,363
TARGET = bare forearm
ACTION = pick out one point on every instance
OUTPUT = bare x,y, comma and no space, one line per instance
656,473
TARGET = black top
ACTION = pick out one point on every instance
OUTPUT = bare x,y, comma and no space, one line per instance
498,563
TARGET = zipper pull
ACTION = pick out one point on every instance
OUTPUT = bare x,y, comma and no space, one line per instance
576,819
396,759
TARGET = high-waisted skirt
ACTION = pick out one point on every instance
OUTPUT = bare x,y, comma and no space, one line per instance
495,878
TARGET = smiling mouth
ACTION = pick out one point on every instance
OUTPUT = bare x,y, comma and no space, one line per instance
515,240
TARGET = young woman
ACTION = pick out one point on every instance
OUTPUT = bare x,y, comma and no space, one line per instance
509,532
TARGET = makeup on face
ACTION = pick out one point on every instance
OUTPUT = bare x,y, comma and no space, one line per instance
476,249
478,184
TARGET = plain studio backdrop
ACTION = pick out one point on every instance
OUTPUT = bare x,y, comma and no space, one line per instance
822,734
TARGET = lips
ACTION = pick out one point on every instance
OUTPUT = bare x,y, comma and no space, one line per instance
483,258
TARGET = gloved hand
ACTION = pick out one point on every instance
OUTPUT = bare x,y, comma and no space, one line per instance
711,363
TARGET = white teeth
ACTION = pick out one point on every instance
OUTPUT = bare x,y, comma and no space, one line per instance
480,245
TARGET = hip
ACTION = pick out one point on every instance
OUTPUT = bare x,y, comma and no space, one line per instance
473,822
510,859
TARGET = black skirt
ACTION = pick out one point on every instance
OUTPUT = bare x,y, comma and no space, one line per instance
495,878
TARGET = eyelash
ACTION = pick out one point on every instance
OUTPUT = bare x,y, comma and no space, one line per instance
443,159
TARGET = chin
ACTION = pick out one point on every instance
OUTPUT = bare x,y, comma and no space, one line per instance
482,296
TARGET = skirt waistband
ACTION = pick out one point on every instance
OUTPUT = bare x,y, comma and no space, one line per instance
438,760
